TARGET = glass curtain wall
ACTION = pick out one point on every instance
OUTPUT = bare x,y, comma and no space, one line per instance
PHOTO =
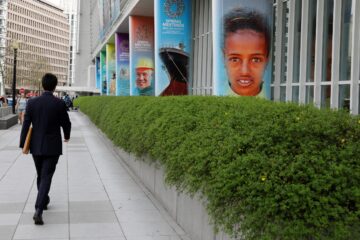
327,53
296,56
310,70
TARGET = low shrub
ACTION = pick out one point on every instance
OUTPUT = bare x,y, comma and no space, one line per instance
266,170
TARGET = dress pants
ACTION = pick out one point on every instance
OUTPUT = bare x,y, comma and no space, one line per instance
45,169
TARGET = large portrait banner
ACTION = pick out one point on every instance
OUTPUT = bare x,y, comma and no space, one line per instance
242,47
142,67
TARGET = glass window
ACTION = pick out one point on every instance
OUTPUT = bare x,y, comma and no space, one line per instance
346,40
295,94
285,34
283,93
325,96
311,41
309,97
297,37
344,96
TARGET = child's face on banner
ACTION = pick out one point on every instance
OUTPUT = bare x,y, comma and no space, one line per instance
245,53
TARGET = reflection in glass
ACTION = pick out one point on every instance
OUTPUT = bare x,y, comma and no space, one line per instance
344,97
309,97
297,37
327,38
311,41
295,94
282,93
345,45
325,96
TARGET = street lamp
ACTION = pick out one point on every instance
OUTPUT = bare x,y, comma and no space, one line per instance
15,46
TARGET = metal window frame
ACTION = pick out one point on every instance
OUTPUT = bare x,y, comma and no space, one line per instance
278,48
355,63
335,70
304,50
319,50
291,45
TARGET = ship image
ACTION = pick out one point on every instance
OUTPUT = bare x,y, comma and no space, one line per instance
176,62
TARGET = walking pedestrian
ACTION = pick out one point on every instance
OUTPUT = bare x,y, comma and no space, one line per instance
47,114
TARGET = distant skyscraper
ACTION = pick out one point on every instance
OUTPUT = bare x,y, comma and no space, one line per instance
42,29
3,11
71,10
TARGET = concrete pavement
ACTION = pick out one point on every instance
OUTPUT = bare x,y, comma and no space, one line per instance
93,196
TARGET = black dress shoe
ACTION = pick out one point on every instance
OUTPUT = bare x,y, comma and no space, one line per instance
38,218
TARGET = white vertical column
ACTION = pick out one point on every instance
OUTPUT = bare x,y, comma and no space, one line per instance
291,44
319,48
355,55
278,48
304,43
335,70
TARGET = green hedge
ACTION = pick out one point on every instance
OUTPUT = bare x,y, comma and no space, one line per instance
266,170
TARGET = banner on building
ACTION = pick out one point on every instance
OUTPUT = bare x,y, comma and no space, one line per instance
142,69
97,73
242,47
110,69
103,73
172,46
122,64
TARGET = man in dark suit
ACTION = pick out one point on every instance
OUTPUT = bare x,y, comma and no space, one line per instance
46,114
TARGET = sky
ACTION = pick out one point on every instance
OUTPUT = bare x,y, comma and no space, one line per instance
55,2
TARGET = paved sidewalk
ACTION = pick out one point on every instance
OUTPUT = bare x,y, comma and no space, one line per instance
93,196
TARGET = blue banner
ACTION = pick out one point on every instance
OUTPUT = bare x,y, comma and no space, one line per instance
172,46
122,64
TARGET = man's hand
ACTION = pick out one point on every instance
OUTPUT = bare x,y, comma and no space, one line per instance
66,140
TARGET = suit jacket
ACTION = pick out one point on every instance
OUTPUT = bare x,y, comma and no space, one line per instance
47,114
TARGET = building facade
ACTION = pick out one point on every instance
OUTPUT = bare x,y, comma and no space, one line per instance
3,16
42,32
71,10
315,47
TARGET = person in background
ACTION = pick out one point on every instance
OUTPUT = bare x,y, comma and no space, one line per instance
48,115
2,101
20,107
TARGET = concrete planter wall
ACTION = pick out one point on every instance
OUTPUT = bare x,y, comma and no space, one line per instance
188,212
4,111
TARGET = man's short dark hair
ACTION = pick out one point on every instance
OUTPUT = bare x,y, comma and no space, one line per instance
49,82
244,18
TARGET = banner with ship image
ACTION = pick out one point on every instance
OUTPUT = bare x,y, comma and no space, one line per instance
172,46
122,64
242,32
142,67
110,69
